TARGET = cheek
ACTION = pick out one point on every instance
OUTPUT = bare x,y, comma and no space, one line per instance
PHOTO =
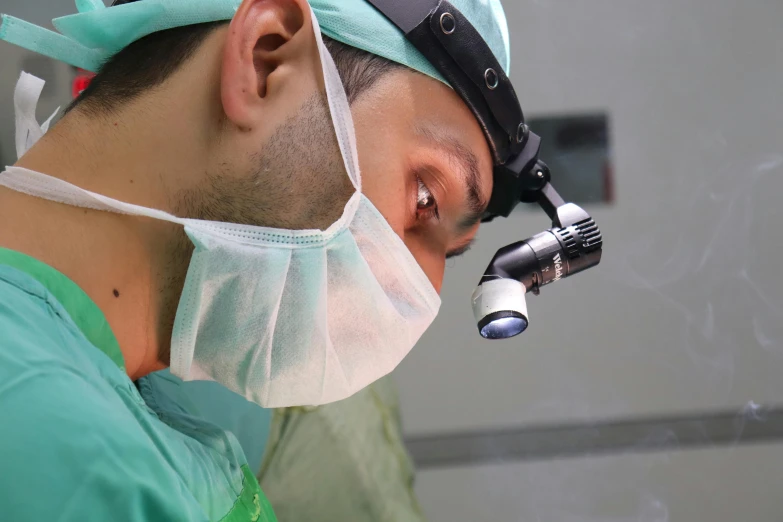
384,175
387,181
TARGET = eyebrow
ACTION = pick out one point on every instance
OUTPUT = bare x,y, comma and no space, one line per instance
469,164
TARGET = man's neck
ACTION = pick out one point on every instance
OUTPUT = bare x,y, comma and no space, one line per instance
123,263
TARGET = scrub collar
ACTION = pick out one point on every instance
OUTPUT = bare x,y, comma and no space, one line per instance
83,311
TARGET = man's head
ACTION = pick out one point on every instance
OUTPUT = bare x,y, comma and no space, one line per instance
263,147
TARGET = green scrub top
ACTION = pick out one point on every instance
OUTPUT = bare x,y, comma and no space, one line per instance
79,441
213,402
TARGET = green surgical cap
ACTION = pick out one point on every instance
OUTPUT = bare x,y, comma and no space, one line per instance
359,24
90,37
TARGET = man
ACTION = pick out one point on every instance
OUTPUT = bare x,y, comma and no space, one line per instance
296,280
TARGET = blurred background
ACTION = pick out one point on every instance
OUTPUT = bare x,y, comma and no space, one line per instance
646,389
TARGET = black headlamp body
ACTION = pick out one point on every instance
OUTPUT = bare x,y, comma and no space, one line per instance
457,50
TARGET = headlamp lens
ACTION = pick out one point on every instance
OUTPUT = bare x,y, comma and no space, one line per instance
503,325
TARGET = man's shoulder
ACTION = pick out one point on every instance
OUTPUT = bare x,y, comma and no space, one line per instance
24,307
70,438
77,439
63,423
53,395
37,332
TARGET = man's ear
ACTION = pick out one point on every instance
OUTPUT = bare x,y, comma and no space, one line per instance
270,48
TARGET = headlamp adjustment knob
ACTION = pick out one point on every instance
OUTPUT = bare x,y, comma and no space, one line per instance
492,79
569,242
592,239
523,131
447,23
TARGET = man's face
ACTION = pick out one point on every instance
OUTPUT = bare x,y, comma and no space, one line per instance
425,162
425,165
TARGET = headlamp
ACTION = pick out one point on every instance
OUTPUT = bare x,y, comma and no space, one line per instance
573,244
459,52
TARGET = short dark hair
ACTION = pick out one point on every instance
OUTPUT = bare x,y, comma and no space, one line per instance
150,61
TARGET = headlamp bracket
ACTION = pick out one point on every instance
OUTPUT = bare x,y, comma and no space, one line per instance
458,51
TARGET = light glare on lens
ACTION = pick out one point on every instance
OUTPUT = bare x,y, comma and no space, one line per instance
504,328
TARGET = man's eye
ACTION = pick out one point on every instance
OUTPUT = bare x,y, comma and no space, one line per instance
426,206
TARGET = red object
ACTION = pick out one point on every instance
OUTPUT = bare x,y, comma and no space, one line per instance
81,82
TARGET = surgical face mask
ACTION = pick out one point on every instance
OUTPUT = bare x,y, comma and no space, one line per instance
284,318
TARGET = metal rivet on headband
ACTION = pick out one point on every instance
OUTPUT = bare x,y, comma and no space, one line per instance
492,79
447,23
522,132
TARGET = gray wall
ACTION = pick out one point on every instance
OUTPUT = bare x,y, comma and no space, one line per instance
686,311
